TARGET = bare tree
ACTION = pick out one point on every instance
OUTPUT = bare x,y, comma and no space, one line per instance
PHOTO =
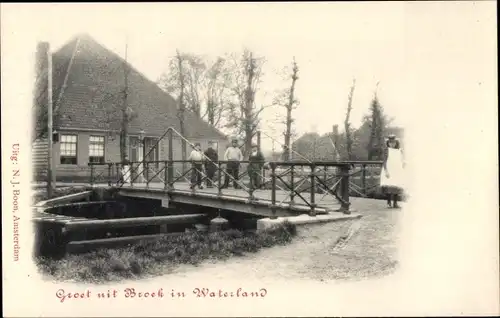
183,84
378,124
126,111
193,68
335,140
205,88
194,84
287,99
217,79
347,124
181,110
243,113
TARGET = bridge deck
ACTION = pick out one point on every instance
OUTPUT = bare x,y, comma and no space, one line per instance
233,199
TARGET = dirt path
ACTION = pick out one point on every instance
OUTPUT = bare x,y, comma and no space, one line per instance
315,253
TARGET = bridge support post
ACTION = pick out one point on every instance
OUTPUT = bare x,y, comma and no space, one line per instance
363,178
292,185
218,224
118,177
165,170
109,174
170,160
91,175
132,178
273,190
163,229
313,190
251,197
219,175
325,178
146,173
344,189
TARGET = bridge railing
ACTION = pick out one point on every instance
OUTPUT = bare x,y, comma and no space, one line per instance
300,181
289,183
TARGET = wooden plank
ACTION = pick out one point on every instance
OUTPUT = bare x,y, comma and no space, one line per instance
75,246
65,199
131,222
80,204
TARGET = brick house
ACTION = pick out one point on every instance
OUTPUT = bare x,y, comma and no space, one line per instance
88,90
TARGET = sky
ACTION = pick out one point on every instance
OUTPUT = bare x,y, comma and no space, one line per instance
406,47
437,67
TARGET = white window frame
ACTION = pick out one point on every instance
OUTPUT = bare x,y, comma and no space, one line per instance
97,143
68,153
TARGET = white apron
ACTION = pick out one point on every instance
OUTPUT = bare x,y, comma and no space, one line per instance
126,173
395,169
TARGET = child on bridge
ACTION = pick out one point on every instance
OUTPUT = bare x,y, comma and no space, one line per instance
196,158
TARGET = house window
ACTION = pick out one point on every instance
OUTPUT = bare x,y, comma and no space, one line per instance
96,149
68,149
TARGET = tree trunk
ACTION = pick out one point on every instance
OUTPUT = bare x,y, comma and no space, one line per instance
248,111
181,111
347,125
210,112
289,108
123,138
125,114
335,133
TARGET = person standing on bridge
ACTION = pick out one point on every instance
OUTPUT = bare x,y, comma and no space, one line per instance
233,156
196,158
255,166
391,178
211,163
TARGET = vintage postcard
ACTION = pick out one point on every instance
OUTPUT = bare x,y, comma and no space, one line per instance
250,159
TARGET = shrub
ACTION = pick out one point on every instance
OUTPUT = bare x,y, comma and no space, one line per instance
156,257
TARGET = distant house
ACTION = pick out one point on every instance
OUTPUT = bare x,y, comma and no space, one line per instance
321,147
88,90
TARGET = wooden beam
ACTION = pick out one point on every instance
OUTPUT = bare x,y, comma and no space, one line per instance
80,246
133,222
81,204
64,199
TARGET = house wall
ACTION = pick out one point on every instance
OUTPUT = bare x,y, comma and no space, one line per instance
39,153
81,171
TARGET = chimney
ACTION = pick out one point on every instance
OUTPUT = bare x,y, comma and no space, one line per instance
41,68
335,130
41,57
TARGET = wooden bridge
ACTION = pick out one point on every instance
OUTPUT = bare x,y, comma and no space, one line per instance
286,188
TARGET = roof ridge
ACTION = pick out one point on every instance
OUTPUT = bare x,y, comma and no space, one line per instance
169,102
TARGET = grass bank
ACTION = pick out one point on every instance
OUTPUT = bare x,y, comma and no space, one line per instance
152,258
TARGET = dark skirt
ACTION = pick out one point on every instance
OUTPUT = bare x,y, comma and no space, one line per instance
392,190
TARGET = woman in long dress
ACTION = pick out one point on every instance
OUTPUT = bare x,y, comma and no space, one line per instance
392,176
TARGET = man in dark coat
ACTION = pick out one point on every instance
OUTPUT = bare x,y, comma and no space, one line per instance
211,164
256,163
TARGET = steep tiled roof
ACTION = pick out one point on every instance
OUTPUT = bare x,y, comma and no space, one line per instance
92,96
